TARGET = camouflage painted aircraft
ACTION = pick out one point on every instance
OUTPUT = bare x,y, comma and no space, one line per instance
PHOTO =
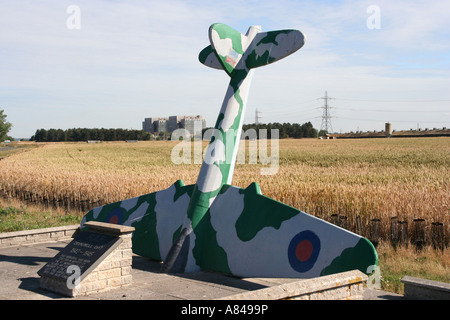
215,226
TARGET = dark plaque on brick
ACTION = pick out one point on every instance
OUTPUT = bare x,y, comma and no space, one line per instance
86,251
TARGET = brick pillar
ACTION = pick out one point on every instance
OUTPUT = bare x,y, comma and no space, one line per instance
111,272
115,271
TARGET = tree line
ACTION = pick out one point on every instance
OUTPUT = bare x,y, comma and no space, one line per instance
84,134
285,130
5,126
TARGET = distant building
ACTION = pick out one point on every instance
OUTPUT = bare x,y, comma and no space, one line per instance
150,124
174,123
194,124
160,125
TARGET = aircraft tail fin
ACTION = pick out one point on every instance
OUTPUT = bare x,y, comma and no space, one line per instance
228,45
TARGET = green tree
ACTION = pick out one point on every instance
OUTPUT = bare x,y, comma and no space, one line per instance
4,126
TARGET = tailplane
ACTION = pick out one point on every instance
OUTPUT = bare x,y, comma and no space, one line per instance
231,50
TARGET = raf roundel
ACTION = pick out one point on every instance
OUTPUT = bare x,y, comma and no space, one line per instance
115,216
303,251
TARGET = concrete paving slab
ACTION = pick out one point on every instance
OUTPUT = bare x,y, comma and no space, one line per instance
19,279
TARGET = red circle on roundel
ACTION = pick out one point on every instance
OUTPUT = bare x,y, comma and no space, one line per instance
114,219
304,250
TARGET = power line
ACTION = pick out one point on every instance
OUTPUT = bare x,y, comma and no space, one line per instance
291,108
379,120
381,110
308,107
367,100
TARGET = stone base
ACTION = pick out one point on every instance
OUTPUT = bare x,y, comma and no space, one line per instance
341,286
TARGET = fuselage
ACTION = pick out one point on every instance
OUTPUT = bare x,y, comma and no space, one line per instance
218,165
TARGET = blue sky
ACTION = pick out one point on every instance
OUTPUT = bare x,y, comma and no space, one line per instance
135,59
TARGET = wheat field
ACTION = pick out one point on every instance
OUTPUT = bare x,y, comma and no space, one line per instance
370,178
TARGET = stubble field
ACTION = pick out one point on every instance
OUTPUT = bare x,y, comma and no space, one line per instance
371,178
358,179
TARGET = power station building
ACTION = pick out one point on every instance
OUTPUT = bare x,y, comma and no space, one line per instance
193,124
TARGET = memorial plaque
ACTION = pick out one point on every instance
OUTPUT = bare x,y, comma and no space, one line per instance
86,251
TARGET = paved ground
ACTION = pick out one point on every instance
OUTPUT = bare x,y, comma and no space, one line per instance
19,280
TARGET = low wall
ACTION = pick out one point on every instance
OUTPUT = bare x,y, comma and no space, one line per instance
422,289
25,237
340,286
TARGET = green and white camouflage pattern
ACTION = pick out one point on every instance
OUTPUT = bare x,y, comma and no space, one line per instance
215,226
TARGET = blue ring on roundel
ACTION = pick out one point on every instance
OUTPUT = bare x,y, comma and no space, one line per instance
115,216
303,265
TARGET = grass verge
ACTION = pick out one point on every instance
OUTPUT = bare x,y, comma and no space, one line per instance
16,216
427,263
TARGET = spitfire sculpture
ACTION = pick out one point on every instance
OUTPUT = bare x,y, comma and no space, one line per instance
215,226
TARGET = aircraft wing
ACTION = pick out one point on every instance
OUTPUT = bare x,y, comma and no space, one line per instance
157,218
268,47
244,233
262,237
208,57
